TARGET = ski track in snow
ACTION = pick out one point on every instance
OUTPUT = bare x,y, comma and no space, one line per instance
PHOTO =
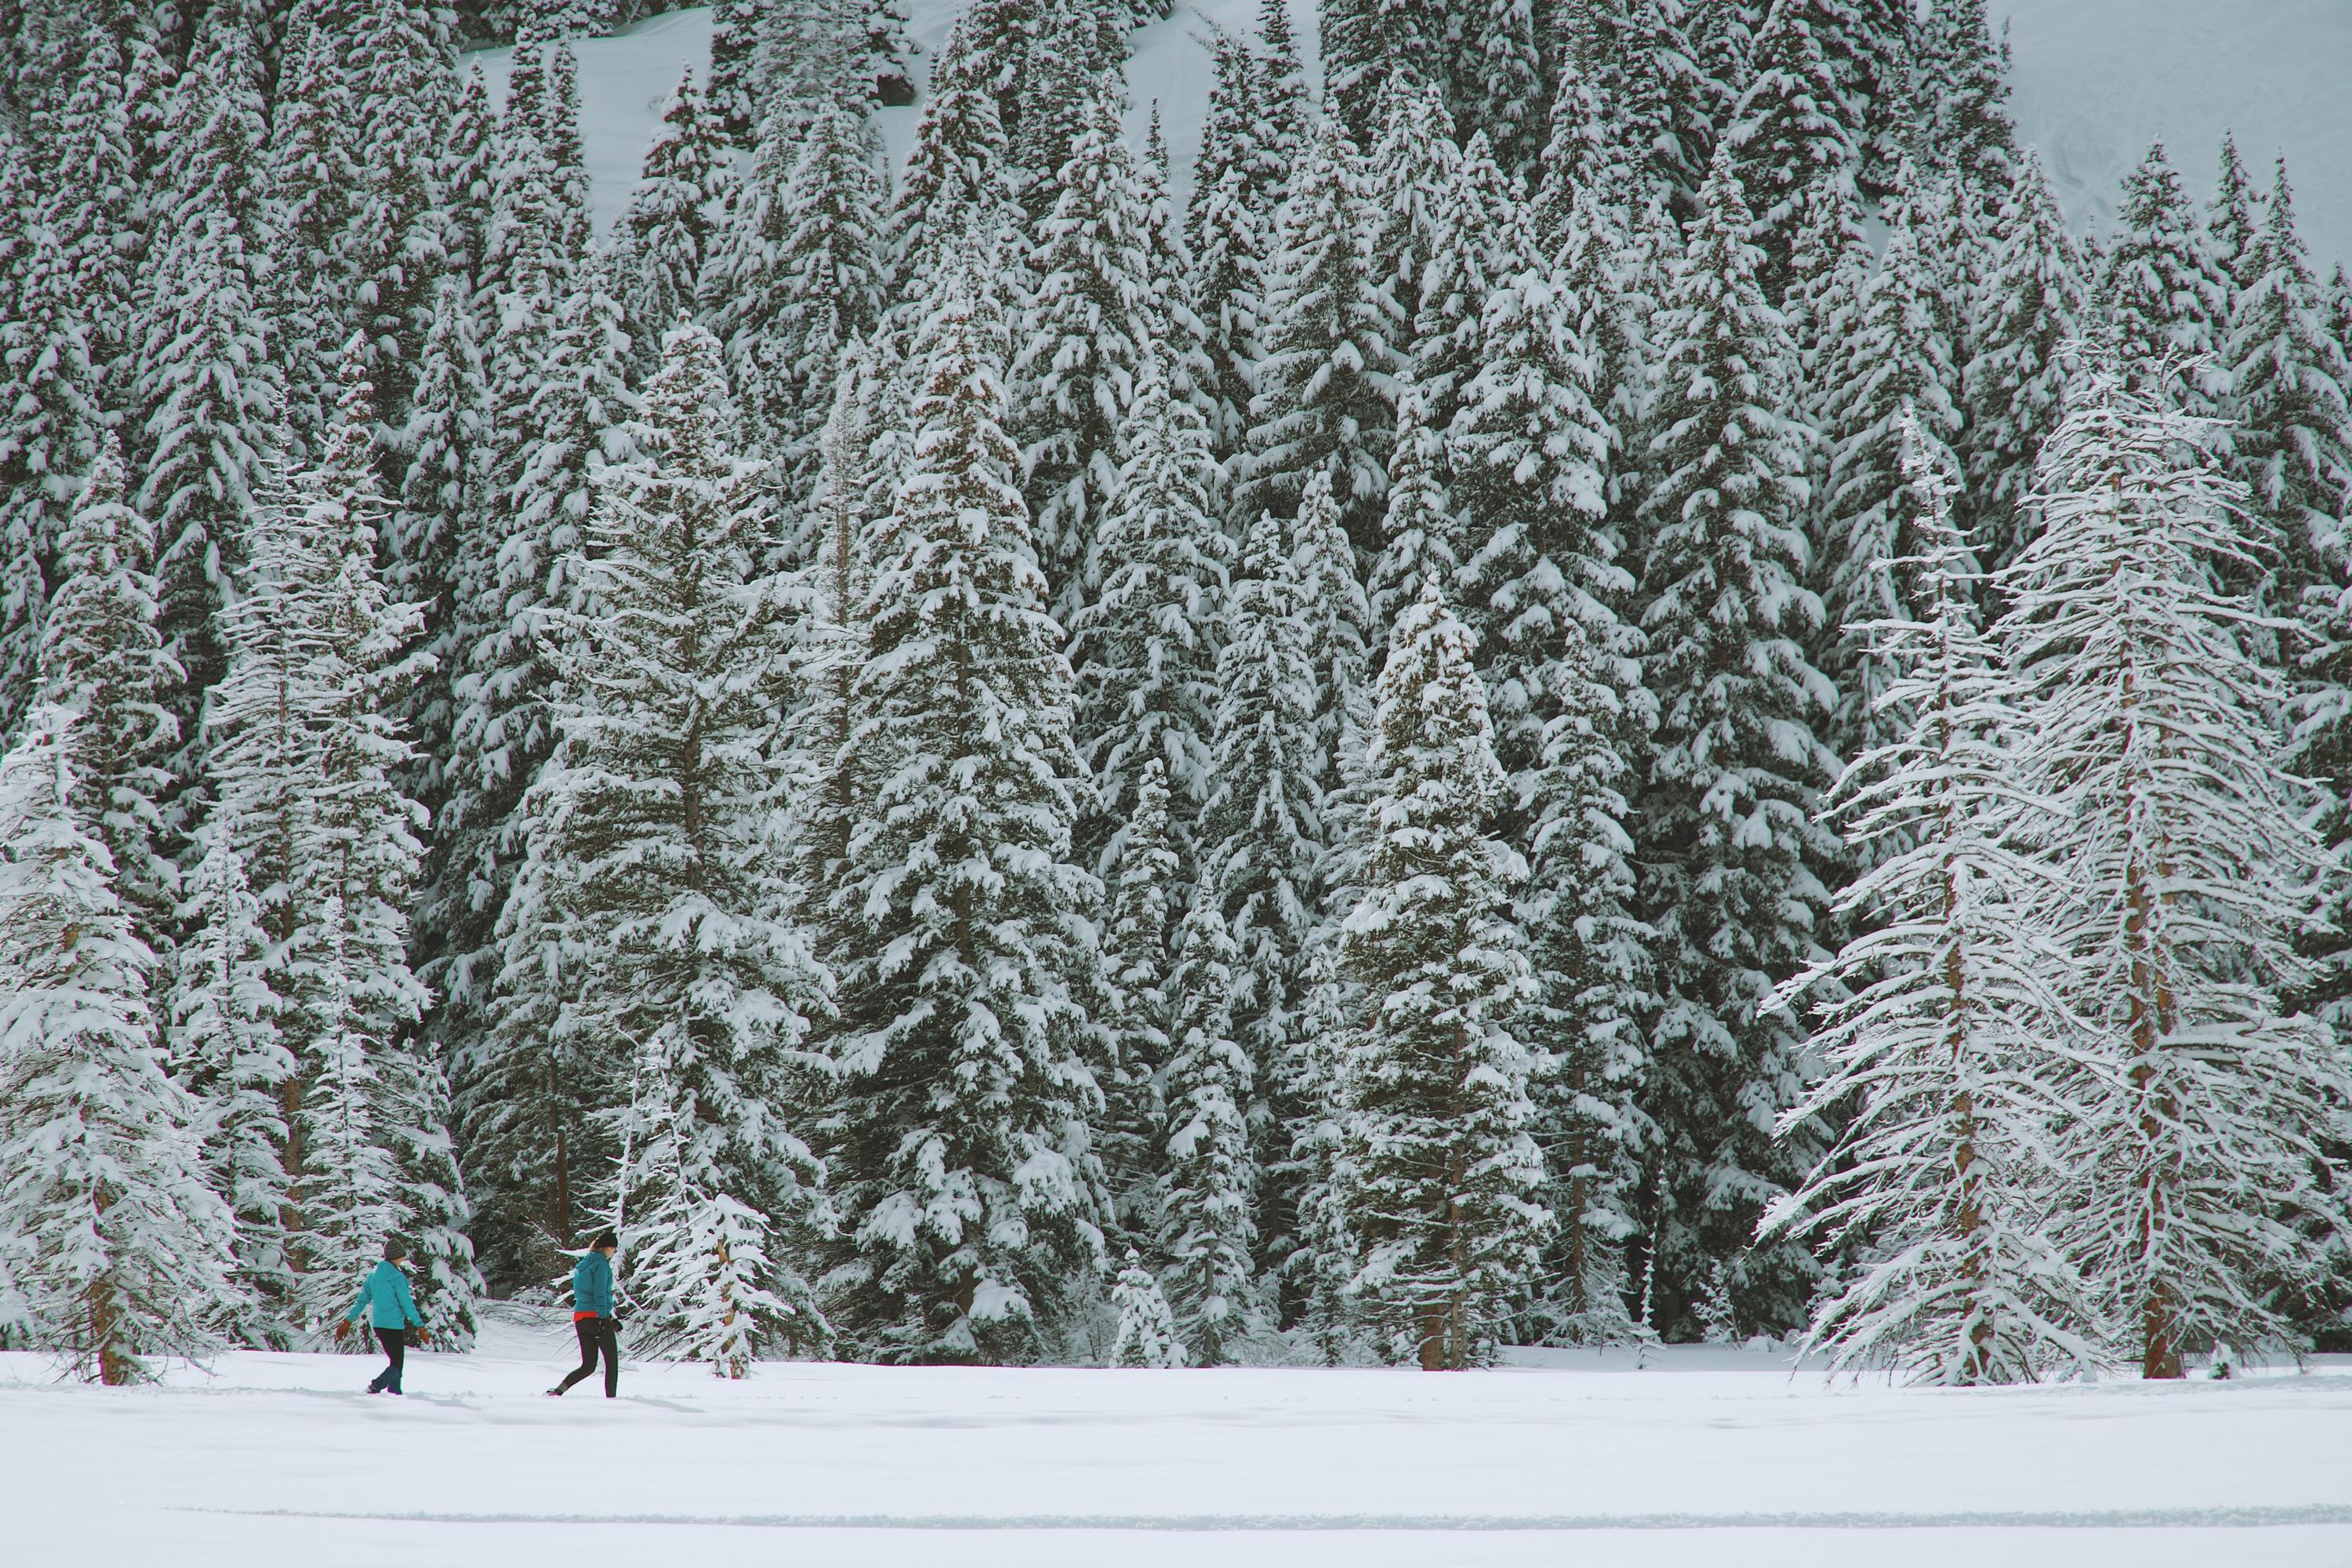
2096,81
1708,1456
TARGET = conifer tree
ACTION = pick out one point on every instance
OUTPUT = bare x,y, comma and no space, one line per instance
956,187
1367,44
102,658
211,390
1960,116
1262,836
1950,1039
2161,291
1205,1201
1145,896
89,198
1437,1171
2183,868
653,861
2236,216
1892,365
1318,407
665,235
2032,304
970,1192
227,1048
111,1241
1147,642
303,748
1728,847
1423,539
1146,1335
2292,398
1084,340
1793,129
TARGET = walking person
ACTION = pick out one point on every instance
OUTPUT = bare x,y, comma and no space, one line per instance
393,1312
592,1319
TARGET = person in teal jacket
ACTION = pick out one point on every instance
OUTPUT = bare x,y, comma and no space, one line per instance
392,1312
592,1318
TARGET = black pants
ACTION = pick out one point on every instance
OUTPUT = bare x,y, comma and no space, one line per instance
396,1347
595,1336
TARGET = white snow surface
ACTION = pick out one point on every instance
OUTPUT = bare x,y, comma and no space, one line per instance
1704,1456
2096,82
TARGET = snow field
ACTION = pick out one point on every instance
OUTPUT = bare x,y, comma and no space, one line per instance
2094,81
1705,1457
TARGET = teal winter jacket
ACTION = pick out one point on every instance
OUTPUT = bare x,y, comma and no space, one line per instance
387,1291
592,1285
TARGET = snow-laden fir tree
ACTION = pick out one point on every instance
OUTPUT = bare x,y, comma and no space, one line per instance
664,235
1205,1204
1960,83
1084,340
1146,642
956,183
2234,215
653,900
1729,853
111,1239
2033,303
1317,407
1420,215
2165,299
1946,1036
1146,897
302,747
1437,1171
210,388
2183,868
961,1142
1422,534
1793,129
225,1047
1146,1336
102,658
1888,362
1367,44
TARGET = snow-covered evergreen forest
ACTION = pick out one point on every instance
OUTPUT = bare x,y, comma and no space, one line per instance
1612,691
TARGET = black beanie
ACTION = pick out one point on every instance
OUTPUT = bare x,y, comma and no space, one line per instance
394,1249
606,1240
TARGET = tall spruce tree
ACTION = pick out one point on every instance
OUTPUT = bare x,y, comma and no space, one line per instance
1437,1171
1729,850
2161,291
112,1241
963,1161
1794,129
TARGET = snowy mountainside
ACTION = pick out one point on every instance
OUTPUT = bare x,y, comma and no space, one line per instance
2096,81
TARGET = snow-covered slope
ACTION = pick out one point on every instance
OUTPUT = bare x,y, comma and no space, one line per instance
2096,82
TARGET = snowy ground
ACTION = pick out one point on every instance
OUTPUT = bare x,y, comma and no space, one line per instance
1704,1457
2096,82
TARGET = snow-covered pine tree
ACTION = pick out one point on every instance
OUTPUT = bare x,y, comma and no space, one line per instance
1422,535
1205,1203
1890,365
89,199
48,427
1075,52
956,185
1146,644
1146,895
2165,301
1084,339
1500,82
1729,848
210,389
1367,45
225,1046
2033,303
102,658
1948,1042
1960,77
1317,407
2183,869
2235,216
1146,1335
664,235
2291,399
302,747
1337,621
1793,129
1437,1171
653,861
970,1192
113,1243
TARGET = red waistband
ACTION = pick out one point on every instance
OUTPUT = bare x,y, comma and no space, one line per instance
577,1316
